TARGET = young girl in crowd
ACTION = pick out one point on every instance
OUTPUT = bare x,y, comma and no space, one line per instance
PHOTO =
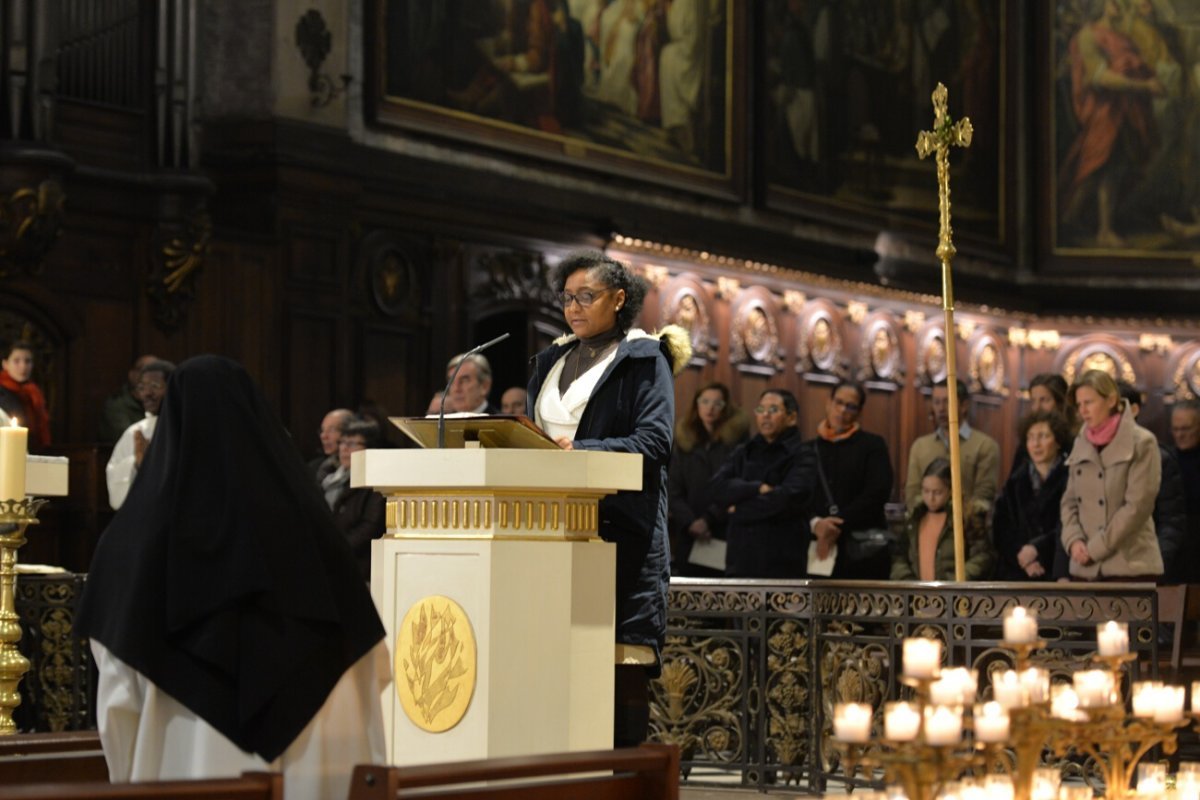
927,551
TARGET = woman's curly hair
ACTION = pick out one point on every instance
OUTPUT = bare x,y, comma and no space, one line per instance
610,272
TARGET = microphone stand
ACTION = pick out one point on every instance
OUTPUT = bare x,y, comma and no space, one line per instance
441,430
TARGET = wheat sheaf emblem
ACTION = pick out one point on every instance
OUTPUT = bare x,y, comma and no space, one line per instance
434,663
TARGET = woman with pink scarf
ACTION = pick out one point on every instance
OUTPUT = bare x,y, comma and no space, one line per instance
1114,473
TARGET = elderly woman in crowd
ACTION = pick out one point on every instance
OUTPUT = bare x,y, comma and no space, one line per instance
609,386
704,438
1027,521
1114,474
230,626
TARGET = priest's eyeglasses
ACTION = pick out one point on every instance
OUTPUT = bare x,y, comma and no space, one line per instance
585,298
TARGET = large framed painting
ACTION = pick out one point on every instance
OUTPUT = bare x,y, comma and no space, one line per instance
1121,89
648,89
847,87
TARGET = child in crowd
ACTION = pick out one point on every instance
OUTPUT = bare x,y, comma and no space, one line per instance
20,397
927,550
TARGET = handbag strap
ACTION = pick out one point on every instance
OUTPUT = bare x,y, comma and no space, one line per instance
833,509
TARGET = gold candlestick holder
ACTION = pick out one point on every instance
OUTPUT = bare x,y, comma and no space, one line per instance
1023,652
15,517
1114,739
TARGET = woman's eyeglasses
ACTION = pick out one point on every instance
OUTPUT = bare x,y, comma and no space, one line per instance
585,298
717,404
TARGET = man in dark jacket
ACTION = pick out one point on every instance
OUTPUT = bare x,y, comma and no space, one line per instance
1185,432
766,484
1170,508
854,481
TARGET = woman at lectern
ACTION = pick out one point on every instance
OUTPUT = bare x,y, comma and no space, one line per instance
230,625
609,386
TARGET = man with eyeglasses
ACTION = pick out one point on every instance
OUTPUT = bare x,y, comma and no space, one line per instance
130,449
978,452
854,481
766,484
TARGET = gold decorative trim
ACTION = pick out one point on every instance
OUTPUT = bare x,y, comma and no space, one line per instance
436,668
475,514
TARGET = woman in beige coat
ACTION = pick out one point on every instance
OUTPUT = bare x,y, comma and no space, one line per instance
1115,469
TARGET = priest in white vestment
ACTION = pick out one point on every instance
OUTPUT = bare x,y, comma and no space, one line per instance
127,454
230,626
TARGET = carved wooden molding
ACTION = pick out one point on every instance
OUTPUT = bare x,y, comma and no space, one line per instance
171,284
31,220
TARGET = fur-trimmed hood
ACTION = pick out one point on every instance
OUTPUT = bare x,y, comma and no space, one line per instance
732,430
677,342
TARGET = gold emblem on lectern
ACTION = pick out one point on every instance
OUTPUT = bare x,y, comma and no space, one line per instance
435,663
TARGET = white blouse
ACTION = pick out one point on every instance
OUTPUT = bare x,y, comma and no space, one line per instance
558,413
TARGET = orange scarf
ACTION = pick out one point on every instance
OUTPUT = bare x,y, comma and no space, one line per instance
826,432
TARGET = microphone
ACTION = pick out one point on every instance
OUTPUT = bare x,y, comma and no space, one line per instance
441,442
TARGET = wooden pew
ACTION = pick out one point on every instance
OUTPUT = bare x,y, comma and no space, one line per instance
51,757
649,772
250,786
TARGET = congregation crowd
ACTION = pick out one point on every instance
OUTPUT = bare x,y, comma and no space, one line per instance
1091,495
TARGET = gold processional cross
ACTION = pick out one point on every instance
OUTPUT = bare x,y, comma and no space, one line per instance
938,141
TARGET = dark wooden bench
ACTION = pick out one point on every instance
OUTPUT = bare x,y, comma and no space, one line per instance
51,757
648,772
250,786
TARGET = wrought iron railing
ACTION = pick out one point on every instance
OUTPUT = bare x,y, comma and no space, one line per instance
752,669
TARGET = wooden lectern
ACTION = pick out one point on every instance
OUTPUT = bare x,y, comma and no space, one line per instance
497,597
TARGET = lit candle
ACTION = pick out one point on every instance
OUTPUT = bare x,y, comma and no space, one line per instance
1064,703
1169,707
1187,781
1007,690
998,787
852,722
1145,698
922,657
1196,697
1035,683
943,725
1094,688
1112,638
956,686
1046,781
1020,626
991,723
14,447
1151,778
901,721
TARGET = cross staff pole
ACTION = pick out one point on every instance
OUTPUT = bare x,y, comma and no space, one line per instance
938,141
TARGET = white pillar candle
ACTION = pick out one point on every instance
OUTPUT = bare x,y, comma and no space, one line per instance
1035,683
901,721
1064,703
991,723
1020,626
1169,707
1196,697
1046,781
998,787
922,657
943,725
1144,698
1151,778
852,722
1007,691
1112,638
14,447
1094,688
1187,780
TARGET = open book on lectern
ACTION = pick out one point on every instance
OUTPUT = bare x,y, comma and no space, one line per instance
496,430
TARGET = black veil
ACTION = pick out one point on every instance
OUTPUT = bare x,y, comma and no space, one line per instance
222,578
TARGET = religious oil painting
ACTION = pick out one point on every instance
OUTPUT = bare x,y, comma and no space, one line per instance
1125,95
643,88
847,88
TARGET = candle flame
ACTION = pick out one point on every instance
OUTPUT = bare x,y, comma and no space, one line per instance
13,422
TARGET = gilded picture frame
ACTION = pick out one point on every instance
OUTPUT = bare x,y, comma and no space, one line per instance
1121,185
846,88
644,89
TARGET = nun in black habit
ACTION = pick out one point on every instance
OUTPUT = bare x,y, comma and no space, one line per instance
230,626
